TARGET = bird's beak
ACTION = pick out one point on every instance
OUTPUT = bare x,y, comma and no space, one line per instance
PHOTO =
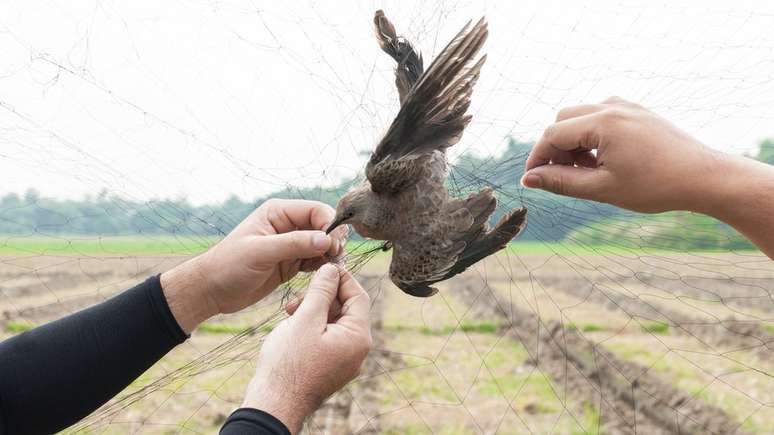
334,224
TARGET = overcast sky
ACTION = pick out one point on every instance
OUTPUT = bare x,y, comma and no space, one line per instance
153,99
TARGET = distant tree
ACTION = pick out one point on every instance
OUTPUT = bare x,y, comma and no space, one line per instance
31,196
766,151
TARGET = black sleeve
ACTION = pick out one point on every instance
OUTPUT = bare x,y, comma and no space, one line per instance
247,421
56,374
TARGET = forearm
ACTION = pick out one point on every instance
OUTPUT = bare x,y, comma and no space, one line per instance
68,368
740,192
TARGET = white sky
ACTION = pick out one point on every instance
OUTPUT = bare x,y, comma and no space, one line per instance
153,99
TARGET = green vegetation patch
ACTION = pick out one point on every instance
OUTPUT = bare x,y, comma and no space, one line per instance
667,232
586,327
119,245
224,328
468,327
592,420
17,327
660,328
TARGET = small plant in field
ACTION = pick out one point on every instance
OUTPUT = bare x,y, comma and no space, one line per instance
661,328
592,423
586,327
479,328
482,327
18,327
223,328
592,327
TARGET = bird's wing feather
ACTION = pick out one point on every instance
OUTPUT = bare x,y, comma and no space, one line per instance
432,116
410,65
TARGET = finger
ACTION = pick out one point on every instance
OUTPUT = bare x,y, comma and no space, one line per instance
576,111
339,236
614,100
568,180
572,134
333,313
293,305
291,246
288,215
356,304
320,295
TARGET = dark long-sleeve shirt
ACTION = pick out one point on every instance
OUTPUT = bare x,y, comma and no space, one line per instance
56,374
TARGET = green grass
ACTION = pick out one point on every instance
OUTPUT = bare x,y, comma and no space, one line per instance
586,327
192,244
468,327
223,328
18,327
660,328
119,245
592,420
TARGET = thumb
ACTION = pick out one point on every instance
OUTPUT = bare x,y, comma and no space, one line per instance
293,245
321,293
585,183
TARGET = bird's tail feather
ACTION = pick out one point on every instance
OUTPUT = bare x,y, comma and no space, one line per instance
491,241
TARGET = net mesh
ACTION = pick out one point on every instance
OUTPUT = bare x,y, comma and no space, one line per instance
136,135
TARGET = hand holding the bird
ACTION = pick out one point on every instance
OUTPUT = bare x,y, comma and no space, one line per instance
314,352
275,242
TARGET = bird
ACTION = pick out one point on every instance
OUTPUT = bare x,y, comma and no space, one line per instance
403,200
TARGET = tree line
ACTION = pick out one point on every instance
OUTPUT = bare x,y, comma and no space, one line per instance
551,218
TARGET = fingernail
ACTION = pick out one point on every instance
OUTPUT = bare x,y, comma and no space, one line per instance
320,241
328,271
531,180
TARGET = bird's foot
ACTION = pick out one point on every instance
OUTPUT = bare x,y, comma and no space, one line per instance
387,246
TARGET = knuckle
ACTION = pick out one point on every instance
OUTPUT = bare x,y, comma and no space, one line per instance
559,185
550,133
565,113
298,240
613,99
271,202
613,116
365,348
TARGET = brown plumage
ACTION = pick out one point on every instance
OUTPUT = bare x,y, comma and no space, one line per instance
404,200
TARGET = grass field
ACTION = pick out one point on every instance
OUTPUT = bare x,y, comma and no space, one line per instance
691,327
16,245
113,246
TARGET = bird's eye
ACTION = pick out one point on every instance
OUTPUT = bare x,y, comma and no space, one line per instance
350,214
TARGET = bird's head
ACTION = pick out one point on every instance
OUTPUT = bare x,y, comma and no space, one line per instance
351,208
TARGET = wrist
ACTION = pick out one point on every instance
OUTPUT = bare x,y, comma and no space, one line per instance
725,184
278,403
186,292
702,185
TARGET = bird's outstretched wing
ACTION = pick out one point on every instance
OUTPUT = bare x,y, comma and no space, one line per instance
409,61
432,116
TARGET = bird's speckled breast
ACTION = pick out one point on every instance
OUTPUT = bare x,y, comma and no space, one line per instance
418,206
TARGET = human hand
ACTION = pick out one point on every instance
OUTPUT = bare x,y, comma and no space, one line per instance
279,239
642,163
314,352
